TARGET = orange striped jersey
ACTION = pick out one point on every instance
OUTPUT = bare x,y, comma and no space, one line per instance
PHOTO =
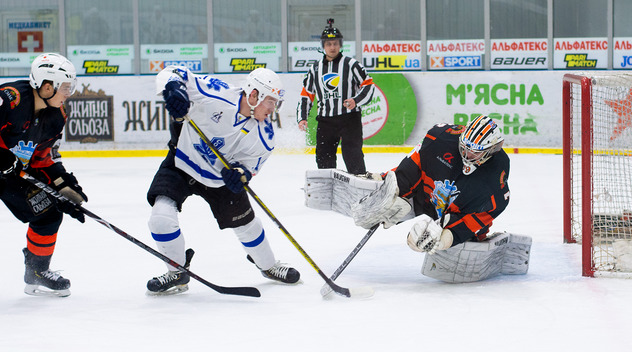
33,138
432,176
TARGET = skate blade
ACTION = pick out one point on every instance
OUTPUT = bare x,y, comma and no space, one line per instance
175,290
37,290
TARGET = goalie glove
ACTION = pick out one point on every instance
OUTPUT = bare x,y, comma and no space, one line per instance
381,206
428,236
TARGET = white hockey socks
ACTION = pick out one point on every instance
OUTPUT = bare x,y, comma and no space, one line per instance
165,229
253,237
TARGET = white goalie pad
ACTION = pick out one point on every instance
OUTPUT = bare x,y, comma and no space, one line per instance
500,253
333,189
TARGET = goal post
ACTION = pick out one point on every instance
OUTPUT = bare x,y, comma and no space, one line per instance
597,170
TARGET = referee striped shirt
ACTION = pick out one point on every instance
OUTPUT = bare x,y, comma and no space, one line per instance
331,83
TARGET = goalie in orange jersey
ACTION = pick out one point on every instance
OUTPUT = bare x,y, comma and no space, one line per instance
454,184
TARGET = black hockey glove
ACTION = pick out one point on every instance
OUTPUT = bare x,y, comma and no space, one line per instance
176,100
236,177
68,186
9,163
71,209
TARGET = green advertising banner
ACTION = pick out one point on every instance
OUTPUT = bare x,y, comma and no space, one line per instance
388,119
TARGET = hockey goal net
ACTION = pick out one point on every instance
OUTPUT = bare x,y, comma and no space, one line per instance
597,147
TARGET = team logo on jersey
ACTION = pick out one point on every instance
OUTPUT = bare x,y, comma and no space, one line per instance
216,116
331,81
456,130
24,151
446,159
503,179
216,84
444,193
268,129
206,152
12,95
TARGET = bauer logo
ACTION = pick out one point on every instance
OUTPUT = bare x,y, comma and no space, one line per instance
90,117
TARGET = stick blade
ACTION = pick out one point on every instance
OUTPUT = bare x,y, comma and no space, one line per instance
362,292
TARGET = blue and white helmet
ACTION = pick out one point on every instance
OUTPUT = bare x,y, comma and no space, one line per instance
479,142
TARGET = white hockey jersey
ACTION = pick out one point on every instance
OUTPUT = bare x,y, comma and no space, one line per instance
215,110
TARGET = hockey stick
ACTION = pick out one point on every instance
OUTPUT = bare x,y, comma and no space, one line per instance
240,291
354,292
325,290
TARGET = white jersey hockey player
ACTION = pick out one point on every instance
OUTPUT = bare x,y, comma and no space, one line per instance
237,121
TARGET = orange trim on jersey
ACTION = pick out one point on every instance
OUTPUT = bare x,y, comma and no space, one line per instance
305,93
429,136
367,82
493,203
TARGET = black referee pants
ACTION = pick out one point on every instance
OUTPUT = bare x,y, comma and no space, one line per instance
345,130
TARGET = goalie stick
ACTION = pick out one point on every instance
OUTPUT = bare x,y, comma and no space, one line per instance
239,291
326,290
347,292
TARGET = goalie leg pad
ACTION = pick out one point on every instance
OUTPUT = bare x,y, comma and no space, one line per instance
381,206
318,189
333,189
500,253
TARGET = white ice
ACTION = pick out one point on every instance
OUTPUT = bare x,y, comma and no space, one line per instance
552,308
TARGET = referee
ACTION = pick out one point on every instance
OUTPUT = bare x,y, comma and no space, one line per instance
341,85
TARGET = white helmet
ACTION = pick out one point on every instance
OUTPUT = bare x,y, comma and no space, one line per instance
267,83
54,68
480,140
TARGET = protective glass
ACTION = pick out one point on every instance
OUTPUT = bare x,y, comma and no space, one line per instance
67,88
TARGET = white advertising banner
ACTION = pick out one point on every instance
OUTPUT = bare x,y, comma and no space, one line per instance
580,53
160,56
455,54
102,59
519,54
384,55
14,60
302,55
622,53
245,57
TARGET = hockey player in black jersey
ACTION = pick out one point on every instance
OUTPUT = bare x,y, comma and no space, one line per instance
32,118
457,183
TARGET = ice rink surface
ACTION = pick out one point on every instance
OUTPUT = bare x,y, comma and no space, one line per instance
552,308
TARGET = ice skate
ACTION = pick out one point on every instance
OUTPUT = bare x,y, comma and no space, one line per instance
172,282
45,283
40,281
279,272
